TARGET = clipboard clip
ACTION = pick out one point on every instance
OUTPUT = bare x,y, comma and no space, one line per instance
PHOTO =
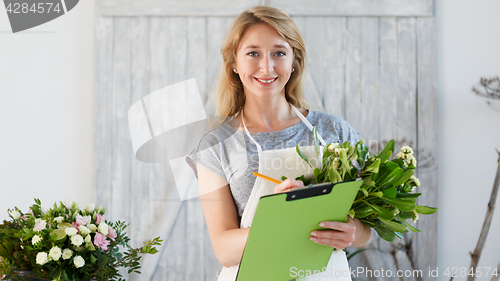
309,191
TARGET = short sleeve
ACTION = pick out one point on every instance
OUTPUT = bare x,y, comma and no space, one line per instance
207,154
346,132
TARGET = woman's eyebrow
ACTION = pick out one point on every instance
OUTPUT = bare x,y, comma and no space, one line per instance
256,47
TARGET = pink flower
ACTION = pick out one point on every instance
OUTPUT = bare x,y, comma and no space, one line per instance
24,217
111,233
100,241
39,226
75,225
99,218
81,220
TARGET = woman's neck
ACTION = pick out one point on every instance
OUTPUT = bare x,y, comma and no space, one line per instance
268,115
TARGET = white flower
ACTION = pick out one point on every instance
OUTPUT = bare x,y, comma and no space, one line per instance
66,254
415,180
84,230
400,155
92,227
15,214
412,161
407,150
68,203
36,239
90,208
88,239
59,219
88,218
42,258
103,228
77,240
70,231
332,146
78,261
39,225
55,253
335,163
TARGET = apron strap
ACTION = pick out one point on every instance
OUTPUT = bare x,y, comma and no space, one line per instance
297,112
308,124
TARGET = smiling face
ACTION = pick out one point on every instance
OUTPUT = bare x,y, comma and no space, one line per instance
264,62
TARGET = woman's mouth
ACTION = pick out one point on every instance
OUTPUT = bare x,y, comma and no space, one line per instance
266,81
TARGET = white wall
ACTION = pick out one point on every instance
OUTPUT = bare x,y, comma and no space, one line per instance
46,102
469,130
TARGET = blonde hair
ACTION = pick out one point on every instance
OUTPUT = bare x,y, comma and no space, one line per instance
230,97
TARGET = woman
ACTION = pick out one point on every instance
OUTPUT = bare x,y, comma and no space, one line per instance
261,92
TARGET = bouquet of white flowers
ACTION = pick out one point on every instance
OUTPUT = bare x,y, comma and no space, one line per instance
66,243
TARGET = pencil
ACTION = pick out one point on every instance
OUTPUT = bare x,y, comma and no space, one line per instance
266,178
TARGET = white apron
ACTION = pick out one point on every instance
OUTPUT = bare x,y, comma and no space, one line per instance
275,164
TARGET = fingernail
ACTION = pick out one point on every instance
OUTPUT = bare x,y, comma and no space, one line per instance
313,233
322,224
313,239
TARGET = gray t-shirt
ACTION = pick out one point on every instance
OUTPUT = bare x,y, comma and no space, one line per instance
232,155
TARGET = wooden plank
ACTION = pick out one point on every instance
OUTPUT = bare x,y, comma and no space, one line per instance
196,67
122,147
164,203
407,82
139,172
355,7
177,60
103,111
421,8
389,90
311,92
217,27
174,8
427,152
324,42
369,103
353,74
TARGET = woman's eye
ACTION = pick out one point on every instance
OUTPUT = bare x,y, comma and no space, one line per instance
280,54
252,54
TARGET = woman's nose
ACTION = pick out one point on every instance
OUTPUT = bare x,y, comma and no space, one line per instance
266,65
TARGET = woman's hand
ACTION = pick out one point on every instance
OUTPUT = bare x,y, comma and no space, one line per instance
351,233
288,185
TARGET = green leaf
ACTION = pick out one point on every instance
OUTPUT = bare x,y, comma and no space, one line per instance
394,226
382,212
410,227
400,162
405,177
316,174
315,136
424,210
386,234
374,167
390,192
334,175
302,156
362,151
390,178
401,204
408,195
387,151
284,178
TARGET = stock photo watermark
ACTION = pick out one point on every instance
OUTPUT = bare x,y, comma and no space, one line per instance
358,272
26,14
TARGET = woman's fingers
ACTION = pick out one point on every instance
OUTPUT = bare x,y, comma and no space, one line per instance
341,236
287,185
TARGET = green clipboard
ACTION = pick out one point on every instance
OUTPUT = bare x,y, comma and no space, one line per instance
279,237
